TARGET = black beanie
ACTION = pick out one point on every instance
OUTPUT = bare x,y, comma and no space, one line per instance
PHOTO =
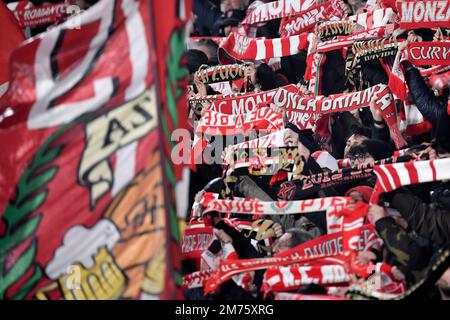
195,59
378,149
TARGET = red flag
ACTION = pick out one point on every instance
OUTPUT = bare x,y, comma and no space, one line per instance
83,207
10,38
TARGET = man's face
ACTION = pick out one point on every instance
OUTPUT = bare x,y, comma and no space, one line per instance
353,140
225,5
356,195
237,4
283,243
227,30
363,160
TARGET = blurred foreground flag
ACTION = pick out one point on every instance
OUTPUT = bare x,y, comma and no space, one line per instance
85,201
10,38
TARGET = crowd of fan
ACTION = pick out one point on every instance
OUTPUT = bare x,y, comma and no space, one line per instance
413,221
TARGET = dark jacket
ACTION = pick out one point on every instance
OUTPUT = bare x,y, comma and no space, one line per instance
207,15
428,220
427,103
405,250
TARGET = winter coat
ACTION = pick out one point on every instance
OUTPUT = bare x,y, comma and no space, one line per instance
405,250
428,220
428,104
207,15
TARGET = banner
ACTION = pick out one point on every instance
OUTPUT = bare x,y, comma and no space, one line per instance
84,204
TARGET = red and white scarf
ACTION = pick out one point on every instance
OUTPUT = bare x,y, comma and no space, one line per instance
393,176
347,41
293,277
429,53
333,244
295,103
32,17
229,268
219,124
374,19
244,103
299,296
305,21
416,14
272,140
277,9
241,47
254,206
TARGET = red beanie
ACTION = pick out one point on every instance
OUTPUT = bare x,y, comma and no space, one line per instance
364,190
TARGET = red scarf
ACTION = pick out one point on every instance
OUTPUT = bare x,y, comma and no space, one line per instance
333,244
291,278
38,16
305,21
347,41
219,124
277,9
416,14
295,103
429,53
244,103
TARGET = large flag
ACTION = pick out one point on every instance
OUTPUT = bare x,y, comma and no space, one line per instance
85,197
10,38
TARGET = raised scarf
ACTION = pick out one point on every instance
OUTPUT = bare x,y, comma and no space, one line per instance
257,207
299,296
243,103
393,176
367,50
305,21
423,13
275,139
264,161
220,73
374,19
38,16
429,53
277,9
347,41
230,268
327,30
293,277
219,124
241,47
295,104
